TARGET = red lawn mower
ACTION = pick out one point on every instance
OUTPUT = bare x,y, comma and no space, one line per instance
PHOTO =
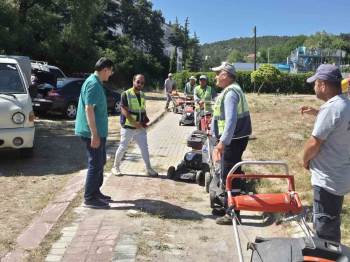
308,248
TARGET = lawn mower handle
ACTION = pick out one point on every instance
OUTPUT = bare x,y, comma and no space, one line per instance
252,162
231,176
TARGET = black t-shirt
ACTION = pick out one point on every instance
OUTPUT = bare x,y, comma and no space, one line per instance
124,102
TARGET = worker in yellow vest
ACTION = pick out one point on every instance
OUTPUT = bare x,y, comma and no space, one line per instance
133,120
204,96
231,125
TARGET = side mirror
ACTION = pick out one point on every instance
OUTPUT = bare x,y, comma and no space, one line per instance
33,90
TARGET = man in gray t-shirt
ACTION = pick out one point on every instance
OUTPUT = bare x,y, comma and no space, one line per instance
327,151
169,86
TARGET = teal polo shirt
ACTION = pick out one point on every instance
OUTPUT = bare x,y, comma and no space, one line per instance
92,93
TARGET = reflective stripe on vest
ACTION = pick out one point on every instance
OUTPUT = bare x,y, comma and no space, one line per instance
135,108
242,107
204,95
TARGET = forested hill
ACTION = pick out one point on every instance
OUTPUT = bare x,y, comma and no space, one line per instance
221,50
278,47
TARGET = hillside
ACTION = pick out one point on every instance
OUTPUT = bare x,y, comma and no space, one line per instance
280,47
272,48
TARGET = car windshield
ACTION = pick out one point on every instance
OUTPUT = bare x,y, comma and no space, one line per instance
10,79
58,73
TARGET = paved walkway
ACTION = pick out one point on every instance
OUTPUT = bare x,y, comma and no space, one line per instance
152,219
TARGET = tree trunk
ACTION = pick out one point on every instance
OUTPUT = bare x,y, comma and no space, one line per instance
260,87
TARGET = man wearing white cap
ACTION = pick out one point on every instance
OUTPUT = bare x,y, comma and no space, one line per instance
189,86
169,86
231,124
327,151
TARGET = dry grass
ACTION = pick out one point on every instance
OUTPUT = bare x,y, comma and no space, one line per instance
280,133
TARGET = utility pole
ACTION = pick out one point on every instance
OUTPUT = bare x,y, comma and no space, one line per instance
268,55
254,48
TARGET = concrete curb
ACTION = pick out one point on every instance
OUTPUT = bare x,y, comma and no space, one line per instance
32,236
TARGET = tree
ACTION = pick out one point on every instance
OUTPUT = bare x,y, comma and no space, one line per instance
319,40
194,61
186,45
265,74
235,56
173,62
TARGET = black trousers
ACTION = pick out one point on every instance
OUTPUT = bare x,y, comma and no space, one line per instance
232,155
327,209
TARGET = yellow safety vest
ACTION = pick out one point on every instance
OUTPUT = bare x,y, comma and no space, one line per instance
137,110
206,96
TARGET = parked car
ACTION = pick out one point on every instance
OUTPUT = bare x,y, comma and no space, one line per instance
16,112
65,97
113,101
56,71
44,66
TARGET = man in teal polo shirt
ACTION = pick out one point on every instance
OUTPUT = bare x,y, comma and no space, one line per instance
92,126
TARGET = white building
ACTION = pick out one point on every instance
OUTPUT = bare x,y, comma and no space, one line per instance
168,50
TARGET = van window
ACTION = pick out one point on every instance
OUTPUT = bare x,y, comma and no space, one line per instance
10,79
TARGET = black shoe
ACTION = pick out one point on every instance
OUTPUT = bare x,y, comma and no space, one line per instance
96,204
103,196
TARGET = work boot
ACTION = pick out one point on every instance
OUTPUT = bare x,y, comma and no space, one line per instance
116,171
151,172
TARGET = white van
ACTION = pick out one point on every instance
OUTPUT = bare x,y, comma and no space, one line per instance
16,111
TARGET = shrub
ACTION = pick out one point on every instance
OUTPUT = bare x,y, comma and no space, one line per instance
286,83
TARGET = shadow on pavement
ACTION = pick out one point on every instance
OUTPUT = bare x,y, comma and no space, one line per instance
161,209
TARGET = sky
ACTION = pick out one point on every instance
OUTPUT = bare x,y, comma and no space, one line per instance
218,20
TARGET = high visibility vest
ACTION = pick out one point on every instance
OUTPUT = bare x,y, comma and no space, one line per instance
205,94
243,115
137,110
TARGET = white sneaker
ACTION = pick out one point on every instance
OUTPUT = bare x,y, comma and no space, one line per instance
116,171
151,172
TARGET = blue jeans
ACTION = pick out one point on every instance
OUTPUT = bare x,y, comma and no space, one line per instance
327,209
96,162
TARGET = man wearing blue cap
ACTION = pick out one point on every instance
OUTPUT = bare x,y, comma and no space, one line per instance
327,151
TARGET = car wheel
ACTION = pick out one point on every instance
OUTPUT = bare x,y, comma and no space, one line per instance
116,107
26,152
71,110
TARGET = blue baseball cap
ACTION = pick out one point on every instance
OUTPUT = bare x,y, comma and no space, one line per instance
326,72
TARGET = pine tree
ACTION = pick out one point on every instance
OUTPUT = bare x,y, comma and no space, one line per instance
194,61
173,62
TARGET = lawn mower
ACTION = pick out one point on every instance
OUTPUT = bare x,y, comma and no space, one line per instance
187,118
191,168
178,102
308,248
